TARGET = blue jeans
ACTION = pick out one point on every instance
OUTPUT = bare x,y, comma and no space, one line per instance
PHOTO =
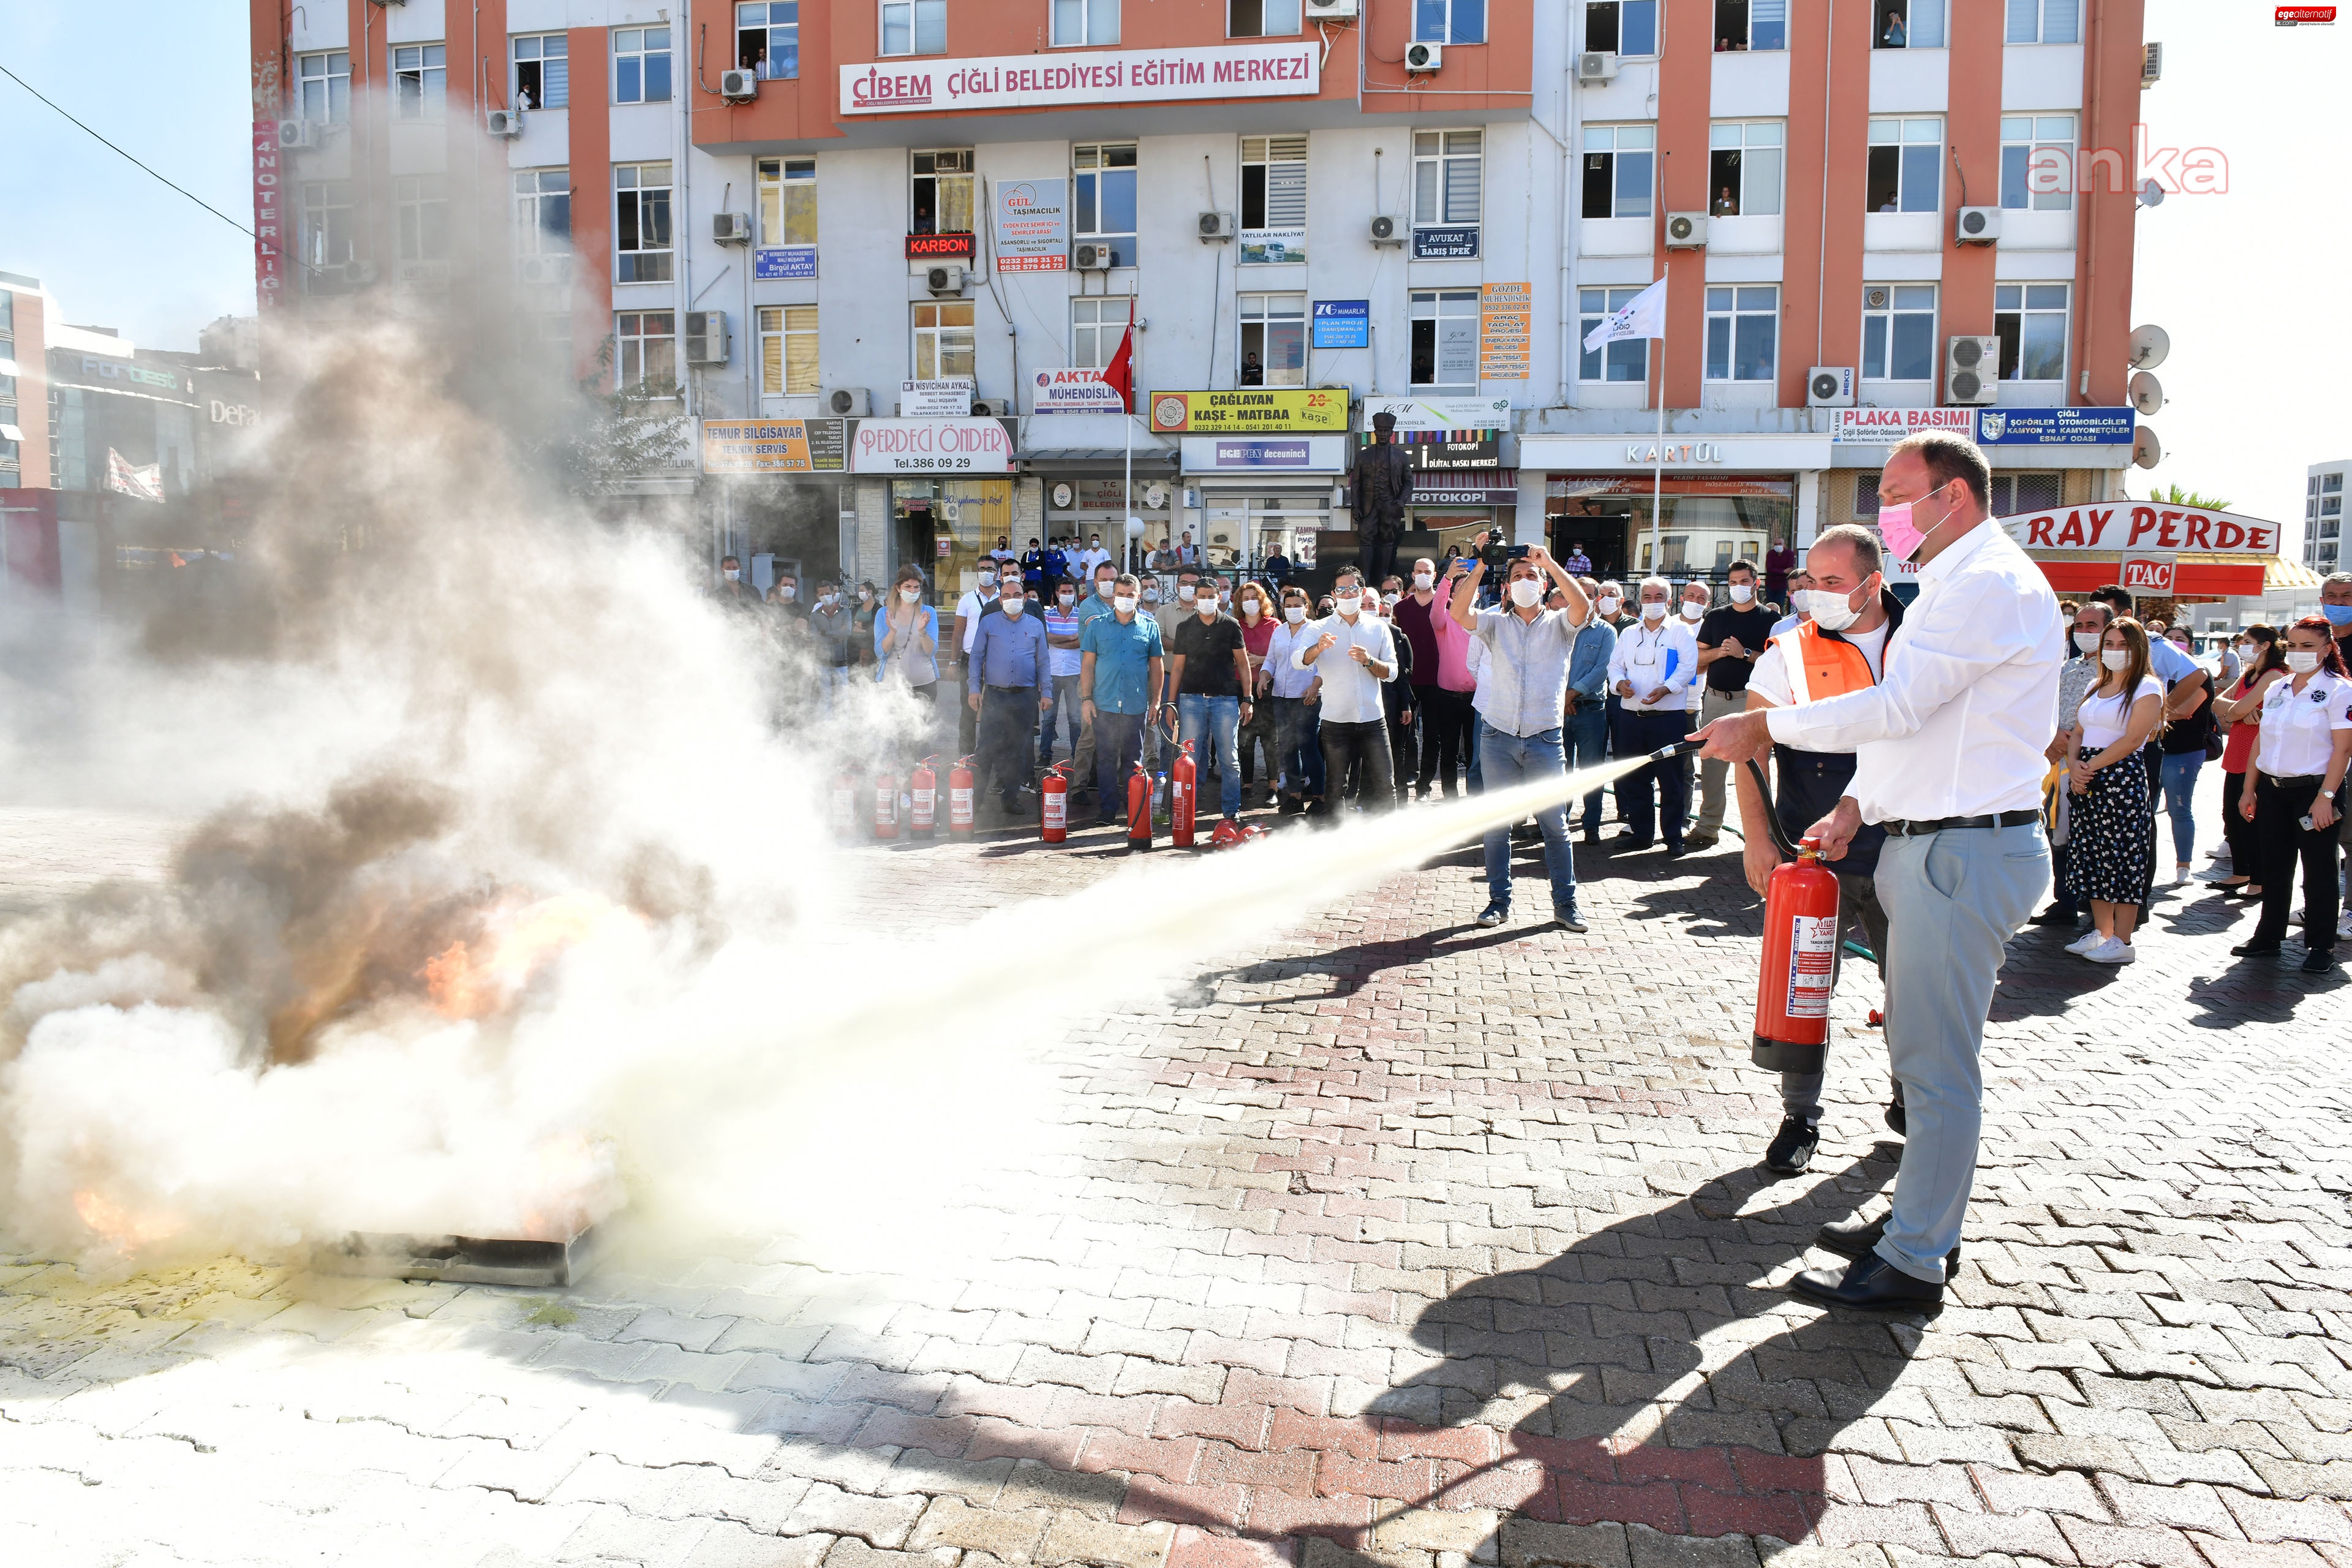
1298,746
1063,713
1217,720
2180,788
1587,734
1516,760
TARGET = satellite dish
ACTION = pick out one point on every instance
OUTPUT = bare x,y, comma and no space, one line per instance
2151,195
2147,393
2148,345
2146,450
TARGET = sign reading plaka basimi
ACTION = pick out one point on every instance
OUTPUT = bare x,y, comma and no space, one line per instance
1107,76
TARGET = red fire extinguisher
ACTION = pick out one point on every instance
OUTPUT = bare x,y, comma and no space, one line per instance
1184,776
845,805
885,803
1139,809
959,799
1792,994
923,787
1054,827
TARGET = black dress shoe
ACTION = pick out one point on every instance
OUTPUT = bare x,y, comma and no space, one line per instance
1859,1238
1896,1122
2318,960
1791,1148
1869,1282
2054,918
2255,948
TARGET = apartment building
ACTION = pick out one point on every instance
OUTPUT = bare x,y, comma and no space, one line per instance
877,249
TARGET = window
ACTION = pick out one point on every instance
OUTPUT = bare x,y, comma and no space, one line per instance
1445,337
1260,18
11,461
943,193
1898,332
645,351
1750,24
641,64
1627,359
1447,170
2333,506
422,203
1096,326
1618,160
2030,321
641,222
2014,494
914,27
1743,329
1273,186
1274,339
1103,206
1628,27
787,200
943,339
7,400
1743,169
2037,162
1084,22
419,81
1449,21
2044,22
2331,484
326,225
542,212
767,39
542,72
323,87
1906,166
8,329
1909,24
787,349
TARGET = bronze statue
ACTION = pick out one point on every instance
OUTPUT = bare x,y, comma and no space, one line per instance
1382,484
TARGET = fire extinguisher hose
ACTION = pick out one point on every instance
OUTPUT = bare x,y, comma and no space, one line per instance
1773,824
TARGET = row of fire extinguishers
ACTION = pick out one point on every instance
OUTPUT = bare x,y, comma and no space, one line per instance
910,808
905,808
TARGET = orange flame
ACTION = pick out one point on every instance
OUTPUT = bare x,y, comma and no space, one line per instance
117,1224
467,982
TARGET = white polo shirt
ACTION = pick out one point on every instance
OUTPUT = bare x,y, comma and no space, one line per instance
2298,728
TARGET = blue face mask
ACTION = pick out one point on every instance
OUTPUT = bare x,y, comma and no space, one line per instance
2337,614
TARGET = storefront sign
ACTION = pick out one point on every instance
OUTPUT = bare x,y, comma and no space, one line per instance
1476,453
1494,487
1293,454
1505,330
930,446
773,446
1445,244
2054,426
947,399
1442,412
1251,408
1653,453
2141,525
938,246
1342,323
1032,225
1273,247
1075,391
1571,486
1886,427
1092,79
268,224
782,262
2148,572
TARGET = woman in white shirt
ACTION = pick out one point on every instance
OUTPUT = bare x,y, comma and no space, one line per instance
2108,845
2299,762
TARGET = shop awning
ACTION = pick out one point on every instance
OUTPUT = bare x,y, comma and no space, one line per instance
2197,577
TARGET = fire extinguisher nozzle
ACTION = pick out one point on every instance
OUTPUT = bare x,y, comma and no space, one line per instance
1679,750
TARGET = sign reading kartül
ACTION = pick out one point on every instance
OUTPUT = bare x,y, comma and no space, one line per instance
930,446
1032,225
773,446
1250,408
947,399
1505,330
1075,391
2141,526
1886,427
1091,79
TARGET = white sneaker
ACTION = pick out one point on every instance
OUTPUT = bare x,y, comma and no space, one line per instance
2087,942
2112,951
2344,925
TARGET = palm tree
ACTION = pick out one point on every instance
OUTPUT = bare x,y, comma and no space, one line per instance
2175,495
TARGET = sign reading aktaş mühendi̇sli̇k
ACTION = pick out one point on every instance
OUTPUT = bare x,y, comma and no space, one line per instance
1032,225
1342,324
1076,390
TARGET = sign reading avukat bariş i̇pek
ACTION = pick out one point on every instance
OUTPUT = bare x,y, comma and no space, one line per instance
1094,76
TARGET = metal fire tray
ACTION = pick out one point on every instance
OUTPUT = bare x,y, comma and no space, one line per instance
461,1259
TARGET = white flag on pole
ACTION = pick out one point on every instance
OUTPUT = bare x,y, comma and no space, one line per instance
1644,316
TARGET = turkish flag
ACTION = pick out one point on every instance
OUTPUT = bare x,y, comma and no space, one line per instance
1120,372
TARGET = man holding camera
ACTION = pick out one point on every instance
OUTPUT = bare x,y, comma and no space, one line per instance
1522,694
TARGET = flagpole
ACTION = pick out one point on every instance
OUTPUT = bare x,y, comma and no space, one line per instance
1658,462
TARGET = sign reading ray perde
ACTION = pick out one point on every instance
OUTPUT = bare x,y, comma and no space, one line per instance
1251,410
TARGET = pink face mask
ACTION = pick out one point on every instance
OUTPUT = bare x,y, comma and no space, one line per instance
1901,535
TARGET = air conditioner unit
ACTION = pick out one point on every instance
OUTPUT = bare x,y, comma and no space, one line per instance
1830,386
731,228
1331,10
854,402
1387,231
1423,57
356,272
1685,231
1215,225
738,85
2151,64
503,121
296,135
706,337
1596,67
1090,257
944,280
984,409
1977,225
545,271
1971,370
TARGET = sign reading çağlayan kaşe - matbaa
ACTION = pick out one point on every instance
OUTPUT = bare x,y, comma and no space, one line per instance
1107,76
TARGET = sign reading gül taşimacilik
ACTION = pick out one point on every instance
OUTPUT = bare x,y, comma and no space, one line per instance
1096,77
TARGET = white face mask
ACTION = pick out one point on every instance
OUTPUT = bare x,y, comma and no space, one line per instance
1250,607
787,593
825,600
1151,596
1350,606
1124,604
1388,599
2116,657
1186,591
1611,604
2302,661
1525,593
1067,598
1293,614
1830,611
1741,593
1207,608
1107,587
865,595
1013,603
2246,650
1693,610
1422,579
2088,641
733,573
910,594
1653,609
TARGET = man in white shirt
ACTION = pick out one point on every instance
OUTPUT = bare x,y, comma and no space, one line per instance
1651,671
980,599
1949,761
1354,654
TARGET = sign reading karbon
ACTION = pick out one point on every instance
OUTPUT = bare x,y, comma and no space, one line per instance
1095,77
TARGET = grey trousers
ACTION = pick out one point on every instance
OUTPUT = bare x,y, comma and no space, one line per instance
1953,901
1713,705
1801,1093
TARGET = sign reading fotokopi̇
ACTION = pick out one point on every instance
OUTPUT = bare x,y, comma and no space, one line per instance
1250,409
